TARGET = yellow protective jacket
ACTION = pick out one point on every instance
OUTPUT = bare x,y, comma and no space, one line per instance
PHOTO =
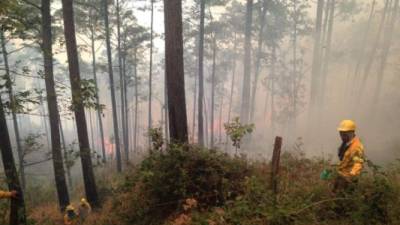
5,194
353,160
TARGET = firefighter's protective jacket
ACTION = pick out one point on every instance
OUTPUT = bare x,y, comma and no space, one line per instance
352,162
5,194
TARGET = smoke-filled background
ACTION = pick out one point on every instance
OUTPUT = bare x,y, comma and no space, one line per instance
309,65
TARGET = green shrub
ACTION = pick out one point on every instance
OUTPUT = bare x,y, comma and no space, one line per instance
165,180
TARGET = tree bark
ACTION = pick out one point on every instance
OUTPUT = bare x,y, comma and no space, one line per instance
360,59
220,118
316,65
371,56
79,111
385,52
200,119
258,60
213,90
232,88
327,53
17,213
121,83
194,109
66,157
58,163
9,87
124,88
99,116
150,70
245,105
136,98
174,71
112,88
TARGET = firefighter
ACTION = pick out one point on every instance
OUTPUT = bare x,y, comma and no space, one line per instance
70,217
84,209
8,194
351,156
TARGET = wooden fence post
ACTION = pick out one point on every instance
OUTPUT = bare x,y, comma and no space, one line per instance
276,155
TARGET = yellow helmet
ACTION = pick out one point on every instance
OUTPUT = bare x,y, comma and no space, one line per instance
70,208
347,125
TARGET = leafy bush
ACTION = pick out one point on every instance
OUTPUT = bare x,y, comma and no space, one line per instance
165,180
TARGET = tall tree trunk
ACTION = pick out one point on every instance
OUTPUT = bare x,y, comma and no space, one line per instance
213,90
166,112
206,137
245,105
200,119
99,116
58,164
371,56
220,118
17,213
93,147
77,101
46,129
194,109
150,69
136,99
174,71
292,117
360,58
316,66
263,13
385,50
232,88
112,88
273,79
125,126
327,53
121,82
66,157
9,87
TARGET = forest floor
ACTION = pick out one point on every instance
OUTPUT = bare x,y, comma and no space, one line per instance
194,186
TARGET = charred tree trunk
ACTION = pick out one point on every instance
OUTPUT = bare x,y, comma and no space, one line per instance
77,101
174,71
9,87
112,88
200,119
58,163
17,213
245,105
